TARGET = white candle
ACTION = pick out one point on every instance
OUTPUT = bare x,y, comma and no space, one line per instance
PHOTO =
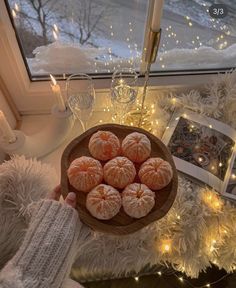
156,15
7,132
57,91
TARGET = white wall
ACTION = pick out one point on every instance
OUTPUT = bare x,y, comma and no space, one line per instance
9,115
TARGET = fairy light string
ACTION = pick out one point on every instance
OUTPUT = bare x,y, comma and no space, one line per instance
185,281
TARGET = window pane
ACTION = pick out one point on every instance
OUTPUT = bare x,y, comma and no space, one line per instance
193,40
89,36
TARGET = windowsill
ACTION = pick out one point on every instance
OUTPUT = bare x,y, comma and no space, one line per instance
35,123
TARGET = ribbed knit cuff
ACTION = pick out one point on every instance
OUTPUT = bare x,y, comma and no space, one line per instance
48,248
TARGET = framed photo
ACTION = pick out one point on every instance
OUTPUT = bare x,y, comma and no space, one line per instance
203,148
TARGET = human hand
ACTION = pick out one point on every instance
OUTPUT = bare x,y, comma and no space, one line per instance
69,200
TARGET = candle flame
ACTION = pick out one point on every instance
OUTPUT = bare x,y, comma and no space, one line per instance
54,35
13,13
53,79
55,27
17,7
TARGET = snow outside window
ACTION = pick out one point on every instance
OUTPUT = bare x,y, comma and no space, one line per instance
89,36
99,36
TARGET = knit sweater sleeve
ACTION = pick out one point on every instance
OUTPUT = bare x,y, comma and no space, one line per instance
47,252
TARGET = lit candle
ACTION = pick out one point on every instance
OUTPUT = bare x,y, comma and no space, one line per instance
57,91
8,133
157,14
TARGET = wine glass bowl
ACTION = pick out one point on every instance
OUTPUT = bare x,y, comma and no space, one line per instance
81,97
123,92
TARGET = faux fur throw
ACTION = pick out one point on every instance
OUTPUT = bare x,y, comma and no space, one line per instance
197,235
21,182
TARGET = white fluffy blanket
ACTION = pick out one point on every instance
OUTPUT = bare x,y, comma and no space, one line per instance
190,226
21,182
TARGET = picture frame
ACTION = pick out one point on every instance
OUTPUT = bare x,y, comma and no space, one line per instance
204,149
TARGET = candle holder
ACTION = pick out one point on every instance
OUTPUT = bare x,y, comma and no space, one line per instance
140,117
150,58
45,141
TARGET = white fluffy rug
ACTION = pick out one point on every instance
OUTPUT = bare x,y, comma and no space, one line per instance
190,226
21,182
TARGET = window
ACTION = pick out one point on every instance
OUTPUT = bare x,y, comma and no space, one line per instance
89,36
193,40
99,36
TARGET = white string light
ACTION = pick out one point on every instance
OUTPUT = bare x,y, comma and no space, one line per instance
182,279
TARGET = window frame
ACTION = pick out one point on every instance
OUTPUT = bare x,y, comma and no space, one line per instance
35,97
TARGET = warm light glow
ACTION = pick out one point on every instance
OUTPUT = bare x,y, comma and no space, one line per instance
17,7
136,278
212,200
210,126
200,159
53,79
166,246
55,27
159,273
208,285
220,164
173,100
13,13
181,279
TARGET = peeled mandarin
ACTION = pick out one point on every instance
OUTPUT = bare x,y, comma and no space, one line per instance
156,173
137,200
85,173
119,172
137,147
103,202
104,145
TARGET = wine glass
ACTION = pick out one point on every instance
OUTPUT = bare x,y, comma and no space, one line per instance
123,91
81,97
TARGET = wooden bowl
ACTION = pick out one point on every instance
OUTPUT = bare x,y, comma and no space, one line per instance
121,224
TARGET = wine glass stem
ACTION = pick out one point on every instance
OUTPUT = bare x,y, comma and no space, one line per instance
83,124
